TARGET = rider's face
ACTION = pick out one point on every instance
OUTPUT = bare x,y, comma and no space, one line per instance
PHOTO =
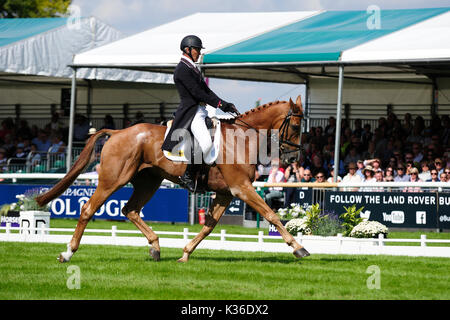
195,53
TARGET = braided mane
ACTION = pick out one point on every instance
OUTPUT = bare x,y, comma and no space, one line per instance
252,111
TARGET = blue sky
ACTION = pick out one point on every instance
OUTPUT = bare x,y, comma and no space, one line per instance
133,16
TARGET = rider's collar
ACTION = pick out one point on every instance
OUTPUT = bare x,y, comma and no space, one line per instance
192,63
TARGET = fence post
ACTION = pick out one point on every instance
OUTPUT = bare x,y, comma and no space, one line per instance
339,239
8,230
185,233
260,236
380,242
423,240
223,235
114,234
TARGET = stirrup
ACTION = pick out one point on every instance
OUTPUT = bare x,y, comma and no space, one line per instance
188,183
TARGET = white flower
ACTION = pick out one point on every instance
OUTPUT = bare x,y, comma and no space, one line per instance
368,229
22,207
13,206
20,196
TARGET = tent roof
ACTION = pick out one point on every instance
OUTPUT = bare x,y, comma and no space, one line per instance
160,46
323,37
290,47
36,47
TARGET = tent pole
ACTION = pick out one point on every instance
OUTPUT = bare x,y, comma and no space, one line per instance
72,117
338,123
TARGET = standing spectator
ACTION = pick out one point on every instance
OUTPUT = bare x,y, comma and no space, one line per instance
81,128
366,135
352,156
401,174
407,124
425,174
330,129
55,124
108,123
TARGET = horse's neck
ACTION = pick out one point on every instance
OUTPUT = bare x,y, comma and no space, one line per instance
264,118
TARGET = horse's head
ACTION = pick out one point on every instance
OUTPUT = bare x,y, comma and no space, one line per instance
290,131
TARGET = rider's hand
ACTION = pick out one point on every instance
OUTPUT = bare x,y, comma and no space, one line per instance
229,107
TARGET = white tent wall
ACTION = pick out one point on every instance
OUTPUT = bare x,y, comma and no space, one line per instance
368,100
443,85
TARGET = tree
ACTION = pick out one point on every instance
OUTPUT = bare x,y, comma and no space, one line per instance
33,8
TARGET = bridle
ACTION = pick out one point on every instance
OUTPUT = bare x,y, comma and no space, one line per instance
284,129
284,138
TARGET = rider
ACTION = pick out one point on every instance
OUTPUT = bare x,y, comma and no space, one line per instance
194,94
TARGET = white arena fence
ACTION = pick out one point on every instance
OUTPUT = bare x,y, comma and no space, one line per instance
235,242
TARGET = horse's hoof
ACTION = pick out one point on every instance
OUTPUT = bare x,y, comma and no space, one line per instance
156,255
61,259
182,260
301,253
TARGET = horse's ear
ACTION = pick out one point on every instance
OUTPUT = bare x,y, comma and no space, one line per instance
299,103
291,104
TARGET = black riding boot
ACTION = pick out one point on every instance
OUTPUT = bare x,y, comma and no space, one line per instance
188,179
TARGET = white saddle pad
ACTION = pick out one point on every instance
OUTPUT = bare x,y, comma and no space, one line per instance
183,153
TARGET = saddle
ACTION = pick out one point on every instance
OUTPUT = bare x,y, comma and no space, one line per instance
182,151
185,150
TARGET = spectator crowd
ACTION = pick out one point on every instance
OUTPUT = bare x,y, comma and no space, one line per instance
396,150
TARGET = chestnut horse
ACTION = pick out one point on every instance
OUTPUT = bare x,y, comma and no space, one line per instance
134,155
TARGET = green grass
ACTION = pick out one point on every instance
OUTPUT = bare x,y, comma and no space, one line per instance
31,271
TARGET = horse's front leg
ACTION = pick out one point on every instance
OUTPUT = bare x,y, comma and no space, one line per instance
215,212
247,193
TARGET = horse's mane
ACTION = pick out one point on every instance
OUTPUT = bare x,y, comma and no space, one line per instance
252,112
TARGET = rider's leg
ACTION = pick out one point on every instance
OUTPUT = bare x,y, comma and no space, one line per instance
200,130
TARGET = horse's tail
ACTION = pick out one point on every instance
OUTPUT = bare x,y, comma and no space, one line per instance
85,158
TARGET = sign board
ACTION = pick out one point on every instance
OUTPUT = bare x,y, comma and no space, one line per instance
167,205
11,217
444,210
396,210
304,197
236,207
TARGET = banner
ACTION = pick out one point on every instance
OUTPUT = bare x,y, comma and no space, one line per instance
167,205
397,210
444,210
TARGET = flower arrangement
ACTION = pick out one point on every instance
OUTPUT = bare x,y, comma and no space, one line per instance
294,226
295,211
368,229
27,202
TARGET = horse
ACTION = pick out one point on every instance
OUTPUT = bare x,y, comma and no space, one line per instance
134,155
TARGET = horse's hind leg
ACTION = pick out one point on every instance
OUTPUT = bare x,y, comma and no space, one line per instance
144,188
87,211
215,212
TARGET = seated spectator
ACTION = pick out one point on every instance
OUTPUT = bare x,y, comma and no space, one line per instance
42,141
434,175
307,176
20,153
439,165
276,175
414,177
401,174
374,163
331,177
359,171
425,174
369,174
3,160
81,128
443,177
389,173
321,176
108,123
352,176
352,156
417,152
34,156
379,175
293,173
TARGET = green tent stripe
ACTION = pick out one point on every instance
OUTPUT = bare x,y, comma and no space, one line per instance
320,38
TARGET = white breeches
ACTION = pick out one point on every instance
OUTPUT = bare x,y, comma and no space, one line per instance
200,130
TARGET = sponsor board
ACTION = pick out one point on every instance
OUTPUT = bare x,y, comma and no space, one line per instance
167,205
401,210
444,210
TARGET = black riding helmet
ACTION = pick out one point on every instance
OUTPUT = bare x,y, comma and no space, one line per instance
191,41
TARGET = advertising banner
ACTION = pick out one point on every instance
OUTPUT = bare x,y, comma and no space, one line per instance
167,205
397,210
303,196
444,210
